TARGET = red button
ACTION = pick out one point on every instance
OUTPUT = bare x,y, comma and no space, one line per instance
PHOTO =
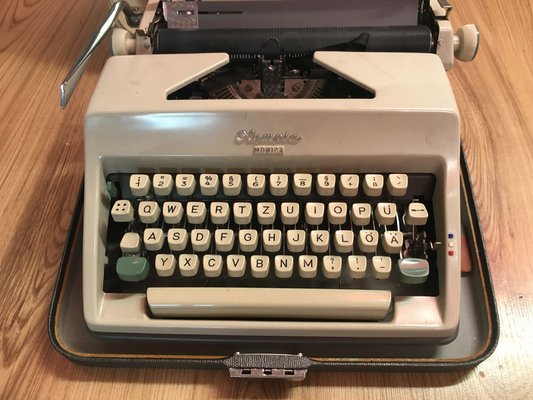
451,253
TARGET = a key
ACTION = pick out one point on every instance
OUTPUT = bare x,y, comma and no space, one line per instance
231,184
259,266
367,240
397,184
357,266
172,212
386,213
236,265
343,241
301,184
224,239
290,213
296,240
266,213
185,184
283,266
255,184
337,213
208,184
242,213
314,213
219,213
331,266
319,241
278,184
130,243
149,212
349,185
392,242
140,185
165,265
325,184
381,267
200,239
163,184
188,264
373,185
272,240
122,211
307,266
153,239
212,265
361,213
417,214
196,212
177,239
248,240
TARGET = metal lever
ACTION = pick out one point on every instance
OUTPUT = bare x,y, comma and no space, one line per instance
71,81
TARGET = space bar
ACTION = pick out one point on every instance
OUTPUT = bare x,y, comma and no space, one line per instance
215,302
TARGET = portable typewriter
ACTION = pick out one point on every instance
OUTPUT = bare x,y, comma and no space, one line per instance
280,169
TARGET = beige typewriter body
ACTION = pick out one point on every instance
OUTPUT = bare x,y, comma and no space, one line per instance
412,125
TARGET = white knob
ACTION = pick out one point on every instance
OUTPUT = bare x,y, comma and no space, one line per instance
466,42
122,42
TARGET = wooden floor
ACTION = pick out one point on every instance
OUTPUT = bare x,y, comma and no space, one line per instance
41,167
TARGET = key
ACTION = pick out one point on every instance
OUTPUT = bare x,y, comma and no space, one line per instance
177,239
236,265
224,239
392,242
271,240
381,267
165,265
172,212
367,240
331,266
153,239
357,266
200,239
139,185
337,213
132,269
290,213
248,240
296,240
325,184
266,213
149,212
219,213
413,270
196,212
319,241
188,264
278,184
259,265
209,184
417,214
373,185
301,184
349,185
231,184
397,184
163,184
361,213
283,266
386,213
343,241
130,243
307,266
122,211
212,265
314,213
255,184
185,184
242,213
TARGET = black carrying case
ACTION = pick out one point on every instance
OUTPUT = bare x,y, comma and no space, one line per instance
279,356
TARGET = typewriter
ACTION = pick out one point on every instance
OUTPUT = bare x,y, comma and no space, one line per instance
274,169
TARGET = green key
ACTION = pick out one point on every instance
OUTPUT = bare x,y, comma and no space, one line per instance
132,269
112,189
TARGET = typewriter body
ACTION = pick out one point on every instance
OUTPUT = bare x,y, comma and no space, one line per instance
261,185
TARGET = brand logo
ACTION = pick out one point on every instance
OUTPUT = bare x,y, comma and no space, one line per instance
252,137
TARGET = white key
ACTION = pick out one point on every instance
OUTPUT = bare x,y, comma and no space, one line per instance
284,266
185,184
397,184
357,266
290,213
307,266
301,184
163,184
177,239
373,185
172,212
248,240
153,239
242,213
319,241
343,241
331,266
349,185
224,239
296,240
386,213
208,184
196,212
200,239
381,267
188,264
219,213
271,240
165,265
231,184
337,213
417,214
259,265
367,240
149,212
325,184
212,265
236,265
140,184
278,184
314,213
361,213
266,213
130,243
255,184
392,242
122,211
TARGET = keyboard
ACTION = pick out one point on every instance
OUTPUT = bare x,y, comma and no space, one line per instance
278,218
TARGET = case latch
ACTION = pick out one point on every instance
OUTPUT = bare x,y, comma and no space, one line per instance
281,366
